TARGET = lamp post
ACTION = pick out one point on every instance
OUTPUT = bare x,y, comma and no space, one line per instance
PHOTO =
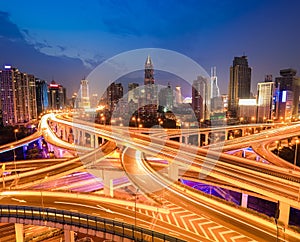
137,190
296,152
14,150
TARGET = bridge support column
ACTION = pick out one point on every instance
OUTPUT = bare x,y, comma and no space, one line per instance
244,202
284,213
96,141
19,229
92,141
108,182
186,139
173,171
69,235
206,138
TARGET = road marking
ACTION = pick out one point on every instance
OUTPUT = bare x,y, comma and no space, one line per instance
87,206
18,200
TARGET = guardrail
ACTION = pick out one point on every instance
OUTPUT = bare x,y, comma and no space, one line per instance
85,221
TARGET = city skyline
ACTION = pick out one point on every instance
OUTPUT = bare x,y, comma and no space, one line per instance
66,47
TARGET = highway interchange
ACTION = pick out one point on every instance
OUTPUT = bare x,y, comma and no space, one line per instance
200,219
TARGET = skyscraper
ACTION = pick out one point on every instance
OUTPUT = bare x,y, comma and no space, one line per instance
200,100
178,95
18,96
148,94
239,84
215,92
84,94
149,71
287,94
41,95
113,93
265,93
165,98
56,96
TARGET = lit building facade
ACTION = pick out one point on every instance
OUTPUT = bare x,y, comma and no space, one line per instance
265,94
239,84
18,97
200,98
56,96
41,96
84,94
113,93
287,94
166,98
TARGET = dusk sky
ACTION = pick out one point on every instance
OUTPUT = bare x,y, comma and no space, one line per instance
66,40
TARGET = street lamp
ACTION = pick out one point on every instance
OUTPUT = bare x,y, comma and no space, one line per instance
137,190
14,150
296,151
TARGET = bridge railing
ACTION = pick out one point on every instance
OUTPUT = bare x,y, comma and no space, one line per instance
85,221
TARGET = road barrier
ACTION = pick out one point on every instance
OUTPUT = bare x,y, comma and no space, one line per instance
85,221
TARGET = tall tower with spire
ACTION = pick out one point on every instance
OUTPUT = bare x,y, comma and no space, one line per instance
149,71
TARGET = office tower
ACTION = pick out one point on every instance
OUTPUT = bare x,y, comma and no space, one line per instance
265,93
239,84
41,96
215,92
165,98
200,99
32,97
94,100
178,95
56,96
287,94
133,92
18,96
84,94
148,99
149,71
113,93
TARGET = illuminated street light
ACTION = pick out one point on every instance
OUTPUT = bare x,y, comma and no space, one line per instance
296,151
14,151
137,190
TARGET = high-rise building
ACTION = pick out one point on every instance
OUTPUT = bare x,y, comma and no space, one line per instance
113,93
215,92
178,95
148,97
287,94
149,71
239,84
32,97
165,98
94,100
133,92
18,96
265,94
200,99
84,94
56,96
41,96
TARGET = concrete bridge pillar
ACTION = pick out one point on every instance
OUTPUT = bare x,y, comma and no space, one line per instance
92,141
108,183
173,171
244,202
206,138
226,134
284,213
19,229
96,141
69,235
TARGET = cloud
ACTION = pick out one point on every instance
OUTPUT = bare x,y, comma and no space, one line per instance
8,29
27,58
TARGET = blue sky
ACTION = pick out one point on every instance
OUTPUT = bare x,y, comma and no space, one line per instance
65,40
